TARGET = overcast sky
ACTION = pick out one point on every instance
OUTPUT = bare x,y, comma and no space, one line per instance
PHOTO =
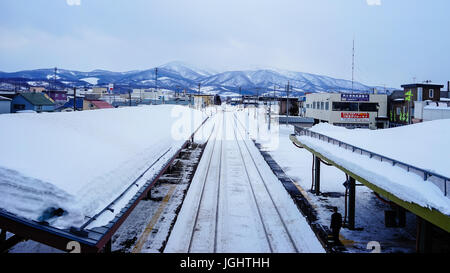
395,40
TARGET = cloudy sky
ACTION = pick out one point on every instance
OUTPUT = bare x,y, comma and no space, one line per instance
395,40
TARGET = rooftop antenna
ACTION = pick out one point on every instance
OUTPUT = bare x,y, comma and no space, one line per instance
156,79
353,64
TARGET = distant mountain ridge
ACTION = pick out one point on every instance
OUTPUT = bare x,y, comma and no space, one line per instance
177,76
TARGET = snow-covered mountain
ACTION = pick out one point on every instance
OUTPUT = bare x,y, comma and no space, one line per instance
178,75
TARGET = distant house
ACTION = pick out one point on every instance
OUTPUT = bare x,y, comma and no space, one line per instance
58,96
203,101
68,106
293,106
37,89
403,111
100,90
5,105
95,104
38,102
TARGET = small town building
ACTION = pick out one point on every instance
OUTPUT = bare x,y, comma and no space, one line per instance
201,101
68,106
100,90
402,103
293,106
37,89
5,105
350,110
95,104
431,110
8,94
58,96
38,102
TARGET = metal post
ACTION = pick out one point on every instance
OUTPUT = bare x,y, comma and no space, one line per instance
351,203
317,175
129,97
8,244
74,99
287,104
108,247
424,236
3,236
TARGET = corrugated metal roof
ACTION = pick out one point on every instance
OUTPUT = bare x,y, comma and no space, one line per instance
69,104
101,104
38,98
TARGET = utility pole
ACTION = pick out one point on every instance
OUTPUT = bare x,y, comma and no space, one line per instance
129,97
54,78
156,81
353,65
242,98
287,104
74,99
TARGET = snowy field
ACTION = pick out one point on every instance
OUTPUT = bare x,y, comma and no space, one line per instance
81,161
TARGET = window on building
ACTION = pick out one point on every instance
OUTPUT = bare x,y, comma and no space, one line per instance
368,107
314,105
327,106
345,106
431,93
19,107
399,111
322,105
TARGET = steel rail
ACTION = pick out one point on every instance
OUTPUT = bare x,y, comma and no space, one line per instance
265,186
203,191
253,191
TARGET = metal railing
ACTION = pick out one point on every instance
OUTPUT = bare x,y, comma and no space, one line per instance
427,175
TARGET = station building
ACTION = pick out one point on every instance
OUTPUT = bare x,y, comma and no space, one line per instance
348,110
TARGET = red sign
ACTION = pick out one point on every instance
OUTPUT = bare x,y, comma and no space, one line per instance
355,116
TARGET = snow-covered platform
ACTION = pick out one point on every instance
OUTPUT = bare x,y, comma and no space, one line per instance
235,203
76,176
407,165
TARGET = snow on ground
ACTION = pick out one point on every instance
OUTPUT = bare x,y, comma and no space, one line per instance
228,207
297,164
91,80
81,161
408,186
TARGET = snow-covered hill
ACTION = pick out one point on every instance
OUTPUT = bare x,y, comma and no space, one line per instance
178,75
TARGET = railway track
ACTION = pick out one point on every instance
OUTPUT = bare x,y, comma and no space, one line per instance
266,210
208,207
235,204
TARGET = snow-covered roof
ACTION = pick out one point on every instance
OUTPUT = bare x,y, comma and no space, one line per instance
4,98
109,149
401,144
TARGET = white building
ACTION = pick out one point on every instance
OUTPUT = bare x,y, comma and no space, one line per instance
348,110
431,110
5,105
